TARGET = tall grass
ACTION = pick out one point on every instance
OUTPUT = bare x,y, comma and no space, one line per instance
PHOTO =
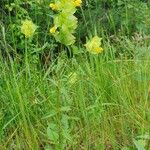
90,102
94,102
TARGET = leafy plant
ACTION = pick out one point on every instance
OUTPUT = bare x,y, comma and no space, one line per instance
65,21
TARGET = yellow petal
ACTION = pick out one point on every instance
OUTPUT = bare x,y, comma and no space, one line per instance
53,30
53,6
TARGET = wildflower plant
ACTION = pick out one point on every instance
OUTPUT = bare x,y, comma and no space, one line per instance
65,21
28,28
94,45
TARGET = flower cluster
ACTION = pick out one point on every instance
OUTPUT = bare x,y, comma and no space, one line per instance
28,28
65,22
94,45
64,27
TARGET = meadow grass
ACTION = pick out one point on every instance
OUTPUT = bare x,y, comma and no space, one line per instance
86,102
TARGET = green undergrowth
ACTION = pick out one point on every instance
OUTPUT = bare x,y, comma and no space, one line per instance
85,102
56,94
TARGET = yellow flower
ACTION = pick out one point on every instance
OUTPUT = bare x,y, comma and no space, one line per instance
28,28
53,6
53,29
98,49
77,3
94,45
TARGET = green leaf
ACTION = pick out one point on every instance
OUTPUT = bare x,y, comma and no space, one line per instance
76,50
140,144
52,113
52,132
65,38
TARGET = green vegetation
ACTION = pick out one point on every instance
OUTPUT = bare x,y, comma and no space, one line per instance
80,82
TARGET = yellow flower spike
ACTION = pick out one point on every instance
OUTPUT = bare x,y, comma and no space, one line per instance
77,3
28,28
53,30
53,6
94,45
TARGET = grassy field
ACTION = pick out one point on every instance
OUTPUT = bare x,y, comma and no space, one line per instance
77,101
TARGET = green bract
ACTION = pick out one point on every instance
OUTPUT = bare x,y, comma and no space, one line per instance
65,22
67,6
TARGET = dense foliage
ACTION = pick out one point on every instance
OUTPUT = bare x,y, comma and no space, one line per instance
74,74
